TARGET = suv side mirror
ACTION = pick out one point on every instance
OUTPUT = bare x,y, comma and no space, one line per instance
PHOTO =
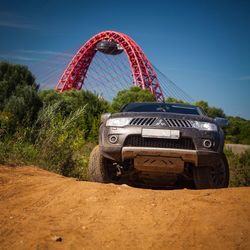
105,116
222,122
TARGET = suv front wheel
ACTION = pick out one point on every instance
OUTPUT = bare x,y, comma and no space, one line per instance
100,169
216,176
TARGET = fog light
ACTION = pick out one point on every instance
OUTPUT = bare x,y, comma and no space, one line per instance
113,139
207,143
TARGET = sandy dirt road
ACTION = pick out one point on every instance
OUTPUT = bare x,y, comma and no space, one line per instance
42,210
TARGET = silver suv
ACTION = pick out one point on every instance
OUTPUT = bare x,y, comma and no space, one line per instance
160,144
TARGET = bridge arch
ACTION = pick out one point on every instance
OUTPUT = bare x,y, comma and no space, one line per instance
142,70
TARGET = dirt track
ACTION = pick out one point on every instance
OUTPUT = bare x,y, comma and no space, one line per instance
38,209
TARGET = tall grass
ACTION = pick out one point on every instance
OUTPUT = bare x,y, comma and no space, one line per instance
59,144
17,151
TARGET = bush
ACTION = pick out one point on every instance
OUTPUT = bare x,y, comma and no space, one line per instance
70,101
239,166
238,130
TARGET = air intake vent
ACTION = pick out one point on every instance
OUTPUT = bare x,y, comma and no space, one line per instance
173,123
139,141
142,121
165,122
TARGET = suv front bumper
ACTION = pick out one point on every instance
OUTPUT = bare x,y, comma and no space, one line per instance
196,157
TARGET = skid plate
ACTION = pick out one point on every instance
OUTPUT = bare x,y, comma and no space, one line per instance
159,164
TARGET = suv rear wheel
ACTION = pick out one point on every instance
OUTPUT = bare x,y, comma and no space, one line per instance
212,176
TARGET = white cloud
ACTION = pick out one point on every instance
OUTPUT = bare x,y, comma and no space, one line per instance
12,20
19,58
15,25
244,78
46,52
36,55
188,70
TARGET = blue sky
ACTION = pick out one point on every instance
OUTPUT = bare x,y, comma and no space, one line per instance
203,46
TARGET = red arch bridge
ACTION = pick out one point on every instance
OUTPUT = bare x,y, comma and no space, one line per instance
107,63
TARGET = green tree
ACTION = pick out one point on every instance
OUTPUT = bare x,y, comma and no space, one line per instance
12,76
210,111
134,94
238,130
19,101
174,100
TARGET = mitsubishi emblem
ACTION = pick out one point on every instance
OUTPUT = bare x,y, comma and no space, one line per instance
161,122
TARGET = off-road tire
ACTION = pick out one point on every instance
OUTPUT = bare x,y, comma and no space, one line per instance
212,176
97,171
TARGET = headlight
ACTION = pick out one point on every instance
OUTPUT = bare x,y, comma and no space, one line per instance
118,122
204,125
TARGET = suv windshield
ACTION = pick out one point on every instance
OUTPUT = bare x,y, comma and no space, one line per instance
161,107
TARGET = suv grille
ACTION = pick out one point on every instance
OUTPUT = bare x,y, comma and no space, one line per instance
178,123
165,122
142,121
139,141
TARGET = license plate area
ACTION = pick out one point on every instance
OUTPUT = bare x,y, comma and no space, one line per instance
161,133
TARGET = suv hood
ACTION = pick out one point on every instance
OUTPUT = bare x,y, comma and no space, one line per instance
163,115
